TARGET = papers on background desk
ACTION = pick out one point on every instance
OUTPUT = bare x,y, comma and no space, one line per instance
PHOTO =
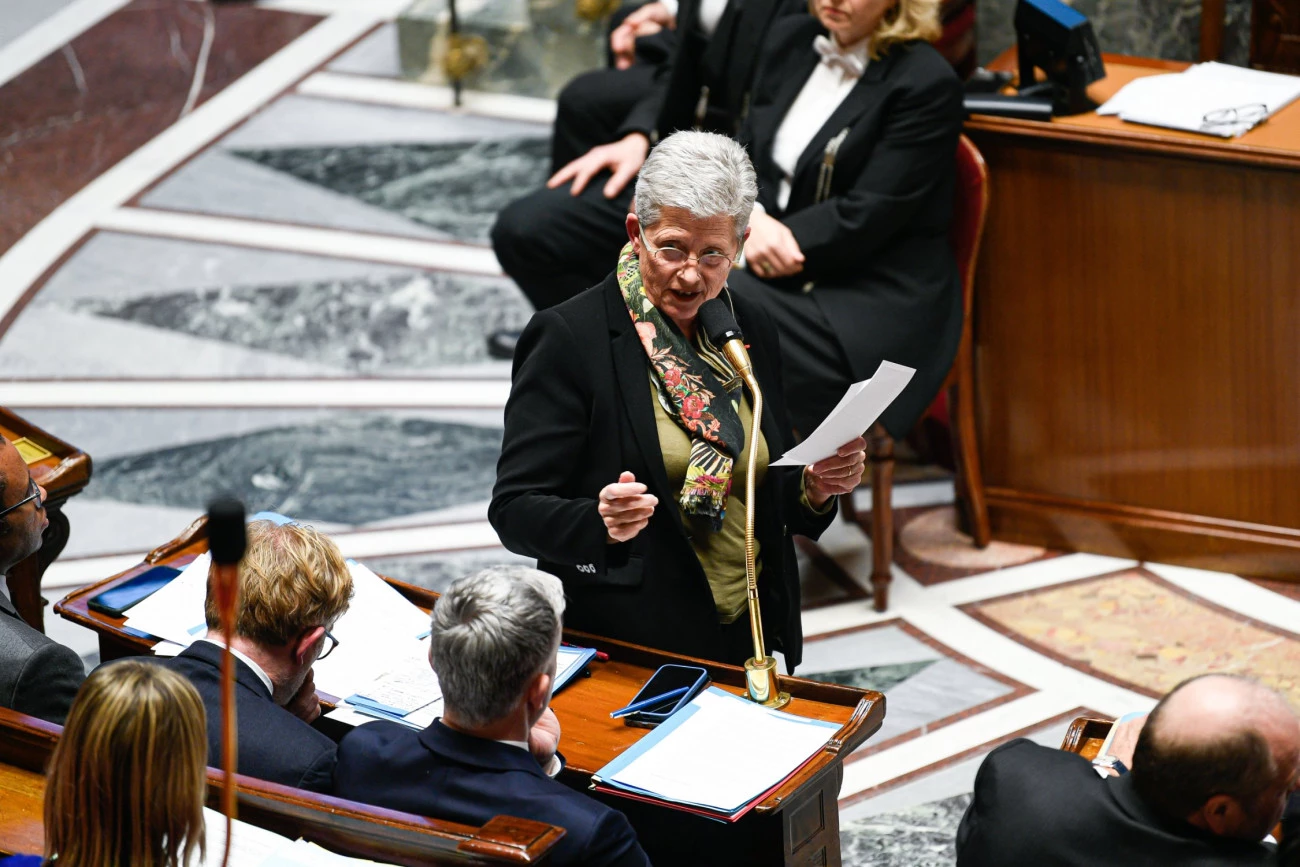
379,628
258,847
858,410
1211,98
719,755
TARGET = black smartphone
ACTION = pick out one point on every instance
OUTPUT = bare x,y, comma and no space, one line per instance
666,679
117,600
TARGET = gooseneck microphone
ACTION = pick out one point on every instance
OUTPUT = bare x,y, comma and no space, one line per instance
720,327
227,539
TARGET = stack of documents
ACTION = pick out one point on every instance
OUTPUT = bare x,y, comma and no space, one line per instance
379,626
1211,98
718,756
858,410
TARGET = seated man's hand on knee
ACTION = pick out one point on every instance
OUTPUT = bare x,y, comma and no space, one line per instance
622,158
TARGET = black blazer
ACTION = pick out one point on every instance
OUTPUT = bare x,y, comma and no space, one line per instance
1042,806
38,676
878,258
273,744
456,777
725,63
580,412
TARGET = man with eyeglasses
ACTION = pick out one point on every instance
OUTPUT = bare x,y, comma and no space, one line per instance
38,676
294,585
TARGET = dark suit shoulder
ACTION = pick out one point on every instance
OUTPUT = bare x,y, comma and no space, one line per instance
48,682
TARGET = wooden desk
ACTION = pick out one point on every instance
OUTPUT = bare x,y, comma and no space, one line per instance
1138,337
352,829
797,825
63,474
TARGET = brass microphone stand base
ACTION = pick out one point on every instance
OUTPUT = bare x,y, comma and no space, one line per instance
760,677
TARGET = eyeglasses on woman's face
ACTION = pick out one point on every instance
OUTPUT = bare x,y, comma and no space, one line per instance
711,263
33,494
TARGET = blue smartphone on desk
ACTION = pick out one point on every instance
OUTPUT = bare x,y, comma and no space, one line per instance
667,679
116,600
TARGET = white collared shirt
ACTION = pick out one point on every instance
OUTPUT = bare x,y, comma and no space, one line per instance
243,657
710,13
551,770
822,93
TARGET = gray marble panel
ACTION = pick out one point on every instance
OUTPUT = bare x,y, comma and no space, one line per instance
19,16
453,188
349,468
881,678
885,645
93,346
375,55
418,321
921,836
307,121
217,183
1168,29
438,571
113,265
942,689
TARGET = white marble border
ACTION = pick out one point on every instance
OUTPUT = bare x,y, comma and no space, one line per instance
357,393
310,240
52,34
410,94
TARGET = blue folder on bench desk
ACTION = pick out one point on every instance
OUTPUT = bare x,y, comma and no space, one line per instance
717,756
571,661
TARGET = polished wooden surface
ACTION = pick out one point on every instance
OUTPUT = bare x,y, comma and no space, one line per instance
1136,344
796,824
1086,735
347,827
1275,36
63,474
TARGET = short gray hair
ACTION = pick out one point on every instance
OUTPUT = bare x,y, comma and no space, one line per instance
704,173
492,632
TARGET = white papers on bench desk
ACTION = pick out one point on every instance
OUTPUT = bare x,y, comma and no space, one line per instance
258,847
1183,100
858,410
379,628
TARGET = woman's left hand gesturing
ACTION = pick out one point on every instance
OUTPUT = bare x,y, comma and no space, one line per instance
838,474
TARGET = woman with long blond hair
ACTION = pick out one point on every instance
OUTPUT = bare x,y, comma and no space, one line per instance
126,782
853,129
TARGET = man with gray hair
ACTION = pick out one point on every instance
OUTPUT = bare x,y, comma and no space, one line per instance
493,646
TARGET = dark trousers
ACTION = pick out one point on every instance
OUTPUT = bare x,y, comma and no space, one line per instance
593,106
815,368
554,244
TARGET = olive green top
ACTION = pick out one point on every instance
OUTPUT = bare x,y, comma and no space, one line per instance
722,554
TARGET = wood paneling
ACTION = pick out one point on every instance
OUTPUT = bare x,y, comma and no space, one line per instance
1138,339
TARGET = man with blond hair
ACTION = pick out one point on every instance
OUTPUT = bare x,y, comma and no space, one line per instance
293,586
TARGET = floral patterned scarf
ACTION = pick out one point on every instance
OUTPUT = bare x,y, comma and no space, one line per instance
693,396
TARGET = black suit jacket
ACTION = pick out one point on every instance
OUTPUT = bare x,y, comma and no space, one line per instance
1046,807
878,258
580,412
38,676
724,63
447,775
273,744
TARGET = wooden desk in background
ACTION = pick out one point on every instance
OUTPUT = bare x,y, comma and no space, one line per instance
358,830
1138,337
63,470
797,825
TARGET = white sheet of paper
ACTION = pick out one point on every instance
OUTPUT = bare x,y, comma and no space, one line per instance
1182,100
252,846
300,853
725,755
858,410
408,687
176,611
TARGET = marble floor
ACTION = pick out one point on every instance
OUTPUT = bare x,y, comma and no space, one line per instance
282,289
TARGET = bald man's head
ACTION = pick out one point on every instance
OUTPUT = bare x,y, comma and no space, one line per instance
1221,752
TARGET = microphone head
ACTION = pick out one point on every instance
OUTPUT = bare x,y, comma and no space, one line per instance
718,323
226,533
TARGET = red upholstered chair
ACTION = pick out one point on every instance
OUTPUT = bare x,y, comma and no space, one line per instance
972,199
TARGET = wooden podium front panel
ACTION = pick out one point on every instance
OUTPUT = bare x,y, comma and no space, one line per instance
798,824
1138,360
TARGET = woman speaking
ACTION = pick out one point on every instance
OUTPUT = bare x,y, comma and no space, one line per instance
625,450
